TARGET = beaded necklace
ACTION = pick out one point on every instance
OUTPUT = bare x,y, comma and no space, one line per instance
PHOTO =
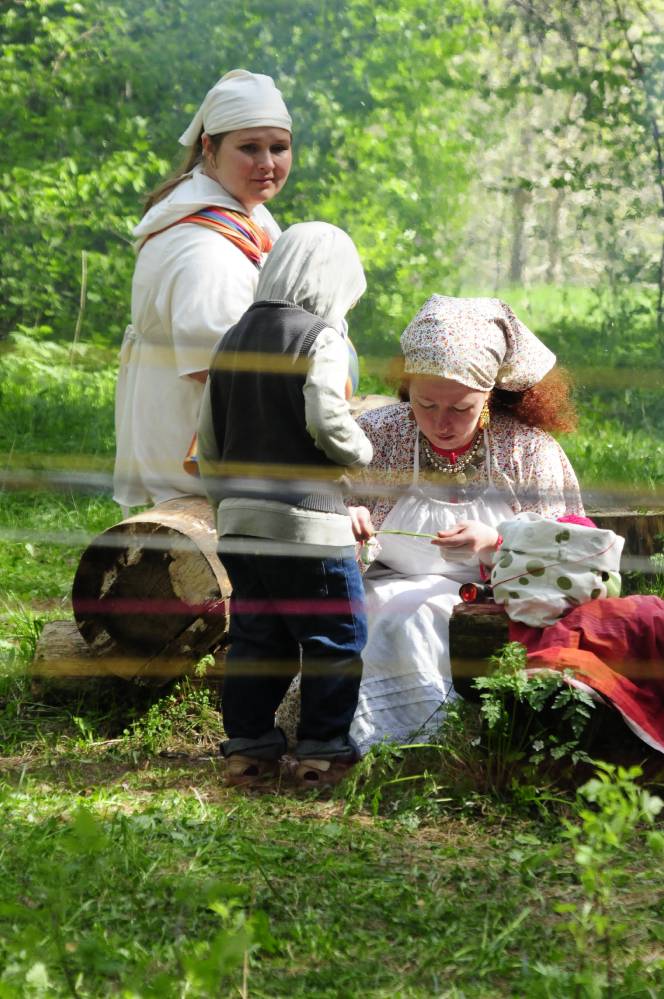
460,470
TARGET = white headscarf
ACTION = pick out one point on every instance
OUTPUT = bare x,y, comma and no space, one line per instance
478,342
314,265
238,100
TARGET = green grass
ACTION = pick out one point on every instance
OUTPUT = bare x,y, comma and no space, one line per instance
54,403
129,870
607,457
49,530
155,882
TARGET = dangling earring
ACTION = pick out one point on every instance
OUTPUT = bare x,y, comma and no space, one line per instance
485,416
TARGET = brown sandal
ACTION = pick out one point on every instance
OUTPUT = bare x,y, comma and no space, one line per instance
243,771
312,773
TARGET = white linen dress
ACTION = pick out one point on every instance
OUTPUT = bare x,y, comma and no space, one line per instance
190,286
406,675
411,590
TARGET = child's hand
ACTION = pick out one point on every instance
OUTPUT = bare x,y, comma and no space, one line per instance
468,537
360,519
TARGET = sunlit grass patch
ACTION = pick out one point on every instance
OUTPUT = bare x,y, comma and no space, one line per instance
610,457
42,535
53,401
140,894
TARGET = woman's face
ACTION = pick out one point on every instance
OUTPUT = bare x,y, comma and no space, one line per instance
446,412
252,164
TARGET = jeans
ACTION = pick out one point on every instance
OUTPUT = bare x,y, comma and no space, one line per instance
281,606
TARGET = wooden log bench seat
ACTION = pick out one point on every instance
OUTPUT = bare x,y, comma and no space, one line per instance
150,599
150,596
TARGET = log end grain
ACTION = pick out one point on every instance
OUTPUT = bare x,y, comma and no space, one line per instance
153,584
477,631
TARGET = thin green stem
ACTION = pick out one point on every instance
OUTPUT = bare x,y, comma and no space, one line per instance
410,534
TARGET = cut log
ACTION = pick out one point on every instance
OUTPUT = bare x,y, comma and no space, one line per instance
643,532
477,631
152,587
62,654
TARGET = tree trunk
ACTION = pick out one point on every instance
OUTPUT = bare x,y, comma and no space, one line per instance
152,587
62,656
641,531
553,238
477,631
520,200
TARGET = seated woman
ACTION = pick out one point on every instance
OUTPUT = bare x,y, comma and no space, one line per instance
469,444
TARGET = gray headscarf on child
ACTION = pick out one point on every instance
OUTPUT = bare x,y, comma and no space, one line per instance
314,265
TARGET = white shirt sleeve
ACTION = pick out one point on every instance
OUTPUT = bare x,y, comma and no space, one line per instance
327,413
211,285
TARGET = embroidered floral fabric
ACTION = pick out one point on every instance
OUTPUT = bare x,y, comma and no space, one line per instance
527,462
476,341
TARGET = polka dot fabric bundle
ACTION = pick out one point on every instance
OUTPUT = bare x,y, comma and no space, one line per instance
544,568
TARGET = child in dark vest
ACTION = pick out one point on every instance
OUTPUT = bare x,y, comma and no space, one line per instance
275,437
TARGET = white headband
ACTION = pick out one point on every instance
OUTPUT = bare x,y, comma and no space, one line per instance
238,100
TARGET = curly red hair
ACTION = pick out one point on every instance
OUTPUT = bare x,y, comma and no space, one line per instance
547,405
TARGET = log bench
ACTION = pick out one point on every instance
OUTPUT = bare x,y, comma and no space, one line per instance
150,593
169,554
150,596
478,631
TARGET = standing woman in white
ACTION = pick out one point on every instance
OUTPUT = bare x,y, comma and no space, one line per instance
200,246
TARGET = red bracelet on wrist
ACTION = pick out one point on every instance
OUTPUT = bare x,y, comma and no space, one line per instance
485,572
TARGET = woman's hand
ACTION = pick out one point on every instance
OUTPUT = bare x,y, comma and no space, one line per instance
360,519
470,537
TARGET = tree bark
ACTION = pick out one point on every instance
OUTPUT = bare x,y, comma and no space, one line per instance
62,656
520,200
553,239
641,531
477,631
152,586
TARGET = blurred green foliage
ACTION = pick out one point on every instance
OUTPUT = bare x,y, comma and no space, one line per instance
426,130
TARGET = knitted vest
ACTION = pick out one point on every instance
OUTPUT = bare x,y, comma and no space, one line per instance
257,377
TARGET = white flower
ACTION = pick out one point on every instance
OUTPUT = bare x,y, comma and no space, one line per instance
369,551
